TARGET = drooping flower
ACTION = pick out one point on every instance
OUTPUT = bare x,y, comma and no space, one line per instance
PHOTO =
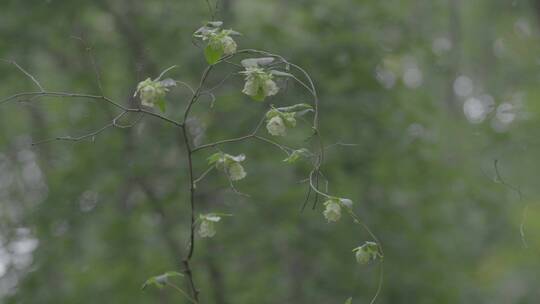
278,122
219,41
259,83
333,205
332,212
236,171
230,164
229,45
150,91
276,126
367,252
270,87
207,225
362,256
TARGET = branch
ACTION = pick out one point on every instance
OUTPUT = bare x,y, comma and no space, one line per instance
91,135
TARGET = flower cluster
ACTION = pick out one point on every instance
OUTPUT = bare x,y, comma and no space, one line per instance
277,122
279,119
230,164
259,83
367,252
218,41
151,92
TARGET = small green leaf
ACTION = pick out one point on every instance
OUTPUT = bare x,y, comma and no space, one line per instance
271,113
296,155
161,105
160,280
212,54
280,73
214,157
349,301
259,96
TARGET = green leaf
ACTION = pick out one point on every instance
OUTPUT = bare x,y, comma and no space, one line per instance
212,54
161,105
260,95
349,301
288,119
159,281
296,155
271,113
214,157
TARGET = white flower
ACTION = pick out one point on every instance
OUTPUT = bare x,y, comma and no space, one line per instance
236,171
276,126
251,87
229,164
269,87
259,83
332,213
362,256
150,92
367,252
207,225
207,229
228,45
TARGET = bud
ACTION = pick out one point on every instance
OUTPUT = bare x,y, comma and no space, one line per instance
276,126
346,202
332,213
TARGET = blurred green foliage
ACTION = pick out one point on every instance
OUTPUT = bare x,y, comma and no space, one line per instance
430,92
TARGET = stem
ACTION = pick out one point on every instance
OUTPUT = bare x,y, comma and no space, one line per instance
180,290
189,152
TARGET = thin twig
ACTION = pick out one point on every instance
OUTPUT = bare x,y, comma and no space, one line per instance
203,175
500,180
88,48
25,73
165,72
182,292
